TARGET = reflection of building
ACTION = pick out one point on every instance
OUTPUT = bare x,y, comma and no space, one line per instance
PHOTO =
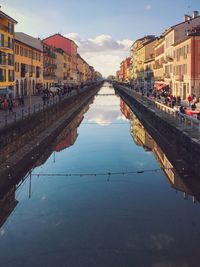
67,141
142,138
7,205
125,109
139,134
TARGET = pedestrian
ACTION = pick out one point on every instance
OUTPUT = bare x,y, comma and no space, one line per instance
193,106
189,99
44,99
178,100
10,105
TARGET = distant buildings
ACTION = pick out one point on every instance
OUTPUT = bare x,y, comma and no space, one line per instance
28,64
170,61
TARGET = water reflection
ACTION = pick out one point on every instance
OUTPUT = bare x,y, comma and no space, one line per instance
105,109
141,137
126,220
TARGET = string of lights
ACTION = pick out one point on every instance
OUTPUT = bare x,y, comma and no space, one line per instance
99,174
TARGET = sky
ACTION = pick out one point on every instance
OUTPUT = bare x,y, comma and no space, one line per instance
104,30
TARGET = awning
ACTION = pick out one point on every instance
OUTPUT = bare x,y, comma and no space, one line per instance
5,91
159,86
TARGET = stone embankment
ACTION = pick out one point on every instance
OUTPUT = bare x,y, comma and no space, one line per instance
179,141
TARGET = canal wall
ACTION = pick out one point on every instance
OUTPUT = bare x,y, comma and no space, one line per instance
50,126
14,136
181,147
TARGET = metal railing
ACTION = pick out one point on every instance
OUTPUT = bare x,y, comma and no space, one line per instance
188,122
8,118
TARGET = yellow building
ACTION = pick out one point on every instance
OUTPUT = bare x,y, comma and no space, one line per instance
6,54
63,69
28,64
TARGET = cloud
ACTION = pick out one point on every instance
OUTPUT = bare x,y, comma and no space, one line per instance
148,7
102,52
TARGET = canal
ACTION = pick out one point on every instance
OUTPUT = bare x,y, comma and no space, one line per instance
104,195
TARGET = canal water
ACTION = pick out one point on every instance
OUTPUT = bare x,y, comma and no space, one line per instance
107,195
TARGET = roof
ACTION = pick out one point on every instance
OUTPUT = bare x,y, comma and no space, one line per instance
8,17
29,40
176,25
60,36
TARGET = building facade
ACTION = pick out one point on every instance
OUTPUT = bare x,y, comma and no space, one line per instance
28,65
186,66
7,25
70,48
49,65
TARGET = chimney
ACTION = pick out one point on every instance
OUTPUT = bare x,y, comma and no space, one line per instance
187,18
195,14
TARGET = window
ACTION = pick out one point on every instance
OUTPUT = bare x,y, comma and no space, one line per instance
16,49
2,58
10,28
10,59
37,72
2,40
21,51
11,75
2,75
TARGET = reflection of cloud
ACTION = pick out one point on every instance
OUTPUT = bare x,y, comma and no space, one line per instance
2,232
102,52
103,117
161,241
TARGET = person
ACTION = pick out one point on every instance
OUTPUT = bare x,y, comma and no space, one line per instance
193,106
44,99
189,99
178,100
182,109
10,105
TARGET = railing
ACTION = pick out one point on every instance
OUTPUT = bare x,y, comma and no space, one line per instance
9,118
188,122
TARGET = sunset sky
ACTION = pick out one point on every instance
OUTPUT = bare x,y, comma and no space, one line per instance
104,30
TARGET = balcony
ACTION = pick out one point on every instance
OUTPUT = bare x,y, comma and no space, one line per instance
167,75
50,66
6,46
49,53
179,77
169,59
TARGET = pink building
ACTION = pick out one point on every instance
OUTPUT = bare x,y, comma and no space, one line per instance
68,46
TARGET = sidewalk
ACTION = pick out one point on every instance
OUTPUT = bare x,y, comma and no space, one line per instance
17,112
21,112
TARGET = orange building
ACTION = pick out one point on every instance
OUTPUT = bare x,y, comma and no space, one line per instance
186,65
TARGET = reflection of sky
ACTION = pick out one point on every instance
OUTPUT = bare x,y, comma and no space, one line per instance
105,109
100,221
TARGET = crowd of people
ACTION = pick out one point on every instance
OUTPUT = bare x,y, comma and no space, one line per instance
165,97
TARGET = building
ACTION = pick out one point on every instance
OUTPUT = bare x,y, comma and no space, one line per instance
186,65
70,48
28,64
7,25
63,66
49,65
158,69
138,56
173,35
